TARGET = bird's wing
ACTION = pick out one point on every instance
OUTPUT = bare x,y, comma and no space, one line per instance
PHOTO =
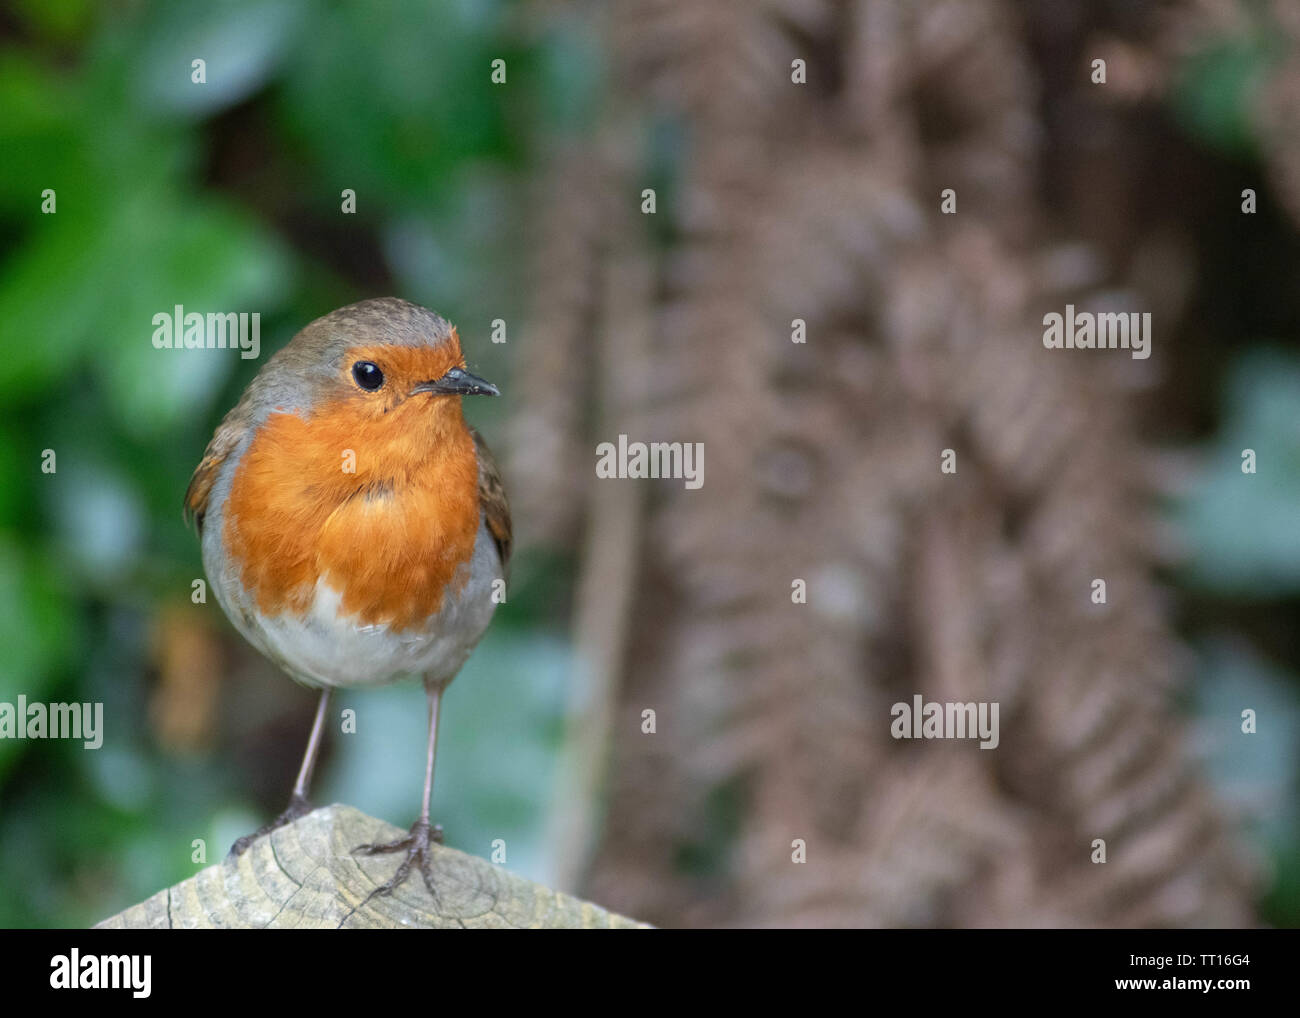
227,436
492,498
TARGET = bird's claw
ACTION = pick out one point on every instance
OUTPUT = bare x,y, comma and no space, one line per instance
416,846
298,807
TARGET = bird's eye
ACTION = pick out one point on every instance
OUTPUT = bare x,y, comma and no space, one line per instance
368,375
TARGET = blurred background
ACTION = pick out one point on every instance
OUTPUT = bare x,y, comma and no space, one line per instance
523,201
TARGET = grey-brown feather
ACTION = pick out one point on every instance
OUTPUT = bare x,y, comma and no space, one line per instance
492,498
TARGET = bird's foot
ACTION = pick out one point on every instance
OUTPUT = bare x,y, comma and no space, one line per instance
298,807
416,847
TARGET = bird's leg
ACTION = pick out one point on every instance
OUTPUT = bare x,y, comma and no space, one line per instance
298,804
416,843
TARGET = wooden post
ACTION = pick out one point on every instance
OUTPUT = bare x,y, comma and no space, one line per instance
305,876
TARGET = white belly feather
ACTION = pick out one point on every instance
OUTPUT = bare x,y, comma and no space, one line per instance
324,649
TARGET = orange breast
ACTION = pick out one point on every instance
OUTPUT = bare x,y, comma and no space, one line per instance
390,537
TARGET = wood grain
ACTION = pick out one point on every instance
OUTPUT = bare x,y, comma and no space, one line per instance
304,876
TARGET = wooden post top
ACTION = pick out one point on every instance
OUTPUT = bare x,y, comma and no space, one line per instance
305,876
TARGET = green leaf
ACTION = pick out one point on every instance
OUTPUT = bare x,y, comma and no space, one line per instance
1244,529
242,42
35,632
1215,91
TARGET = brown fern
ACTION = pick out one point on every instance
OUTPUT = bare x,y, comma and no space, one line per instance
820,203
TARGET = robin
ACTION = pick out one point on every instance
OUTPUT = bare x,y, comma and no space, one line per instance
352,524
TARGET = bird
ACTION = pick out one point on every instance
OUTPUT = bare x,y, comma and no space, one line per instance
353,526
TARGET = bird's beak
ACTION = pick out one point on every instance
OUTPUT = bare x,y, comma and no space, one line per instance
458,382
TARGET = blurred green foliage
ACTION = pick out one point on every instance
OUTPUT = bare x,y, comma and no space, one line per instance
226,196
1243,534
1216,91
1244,528
1241,575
